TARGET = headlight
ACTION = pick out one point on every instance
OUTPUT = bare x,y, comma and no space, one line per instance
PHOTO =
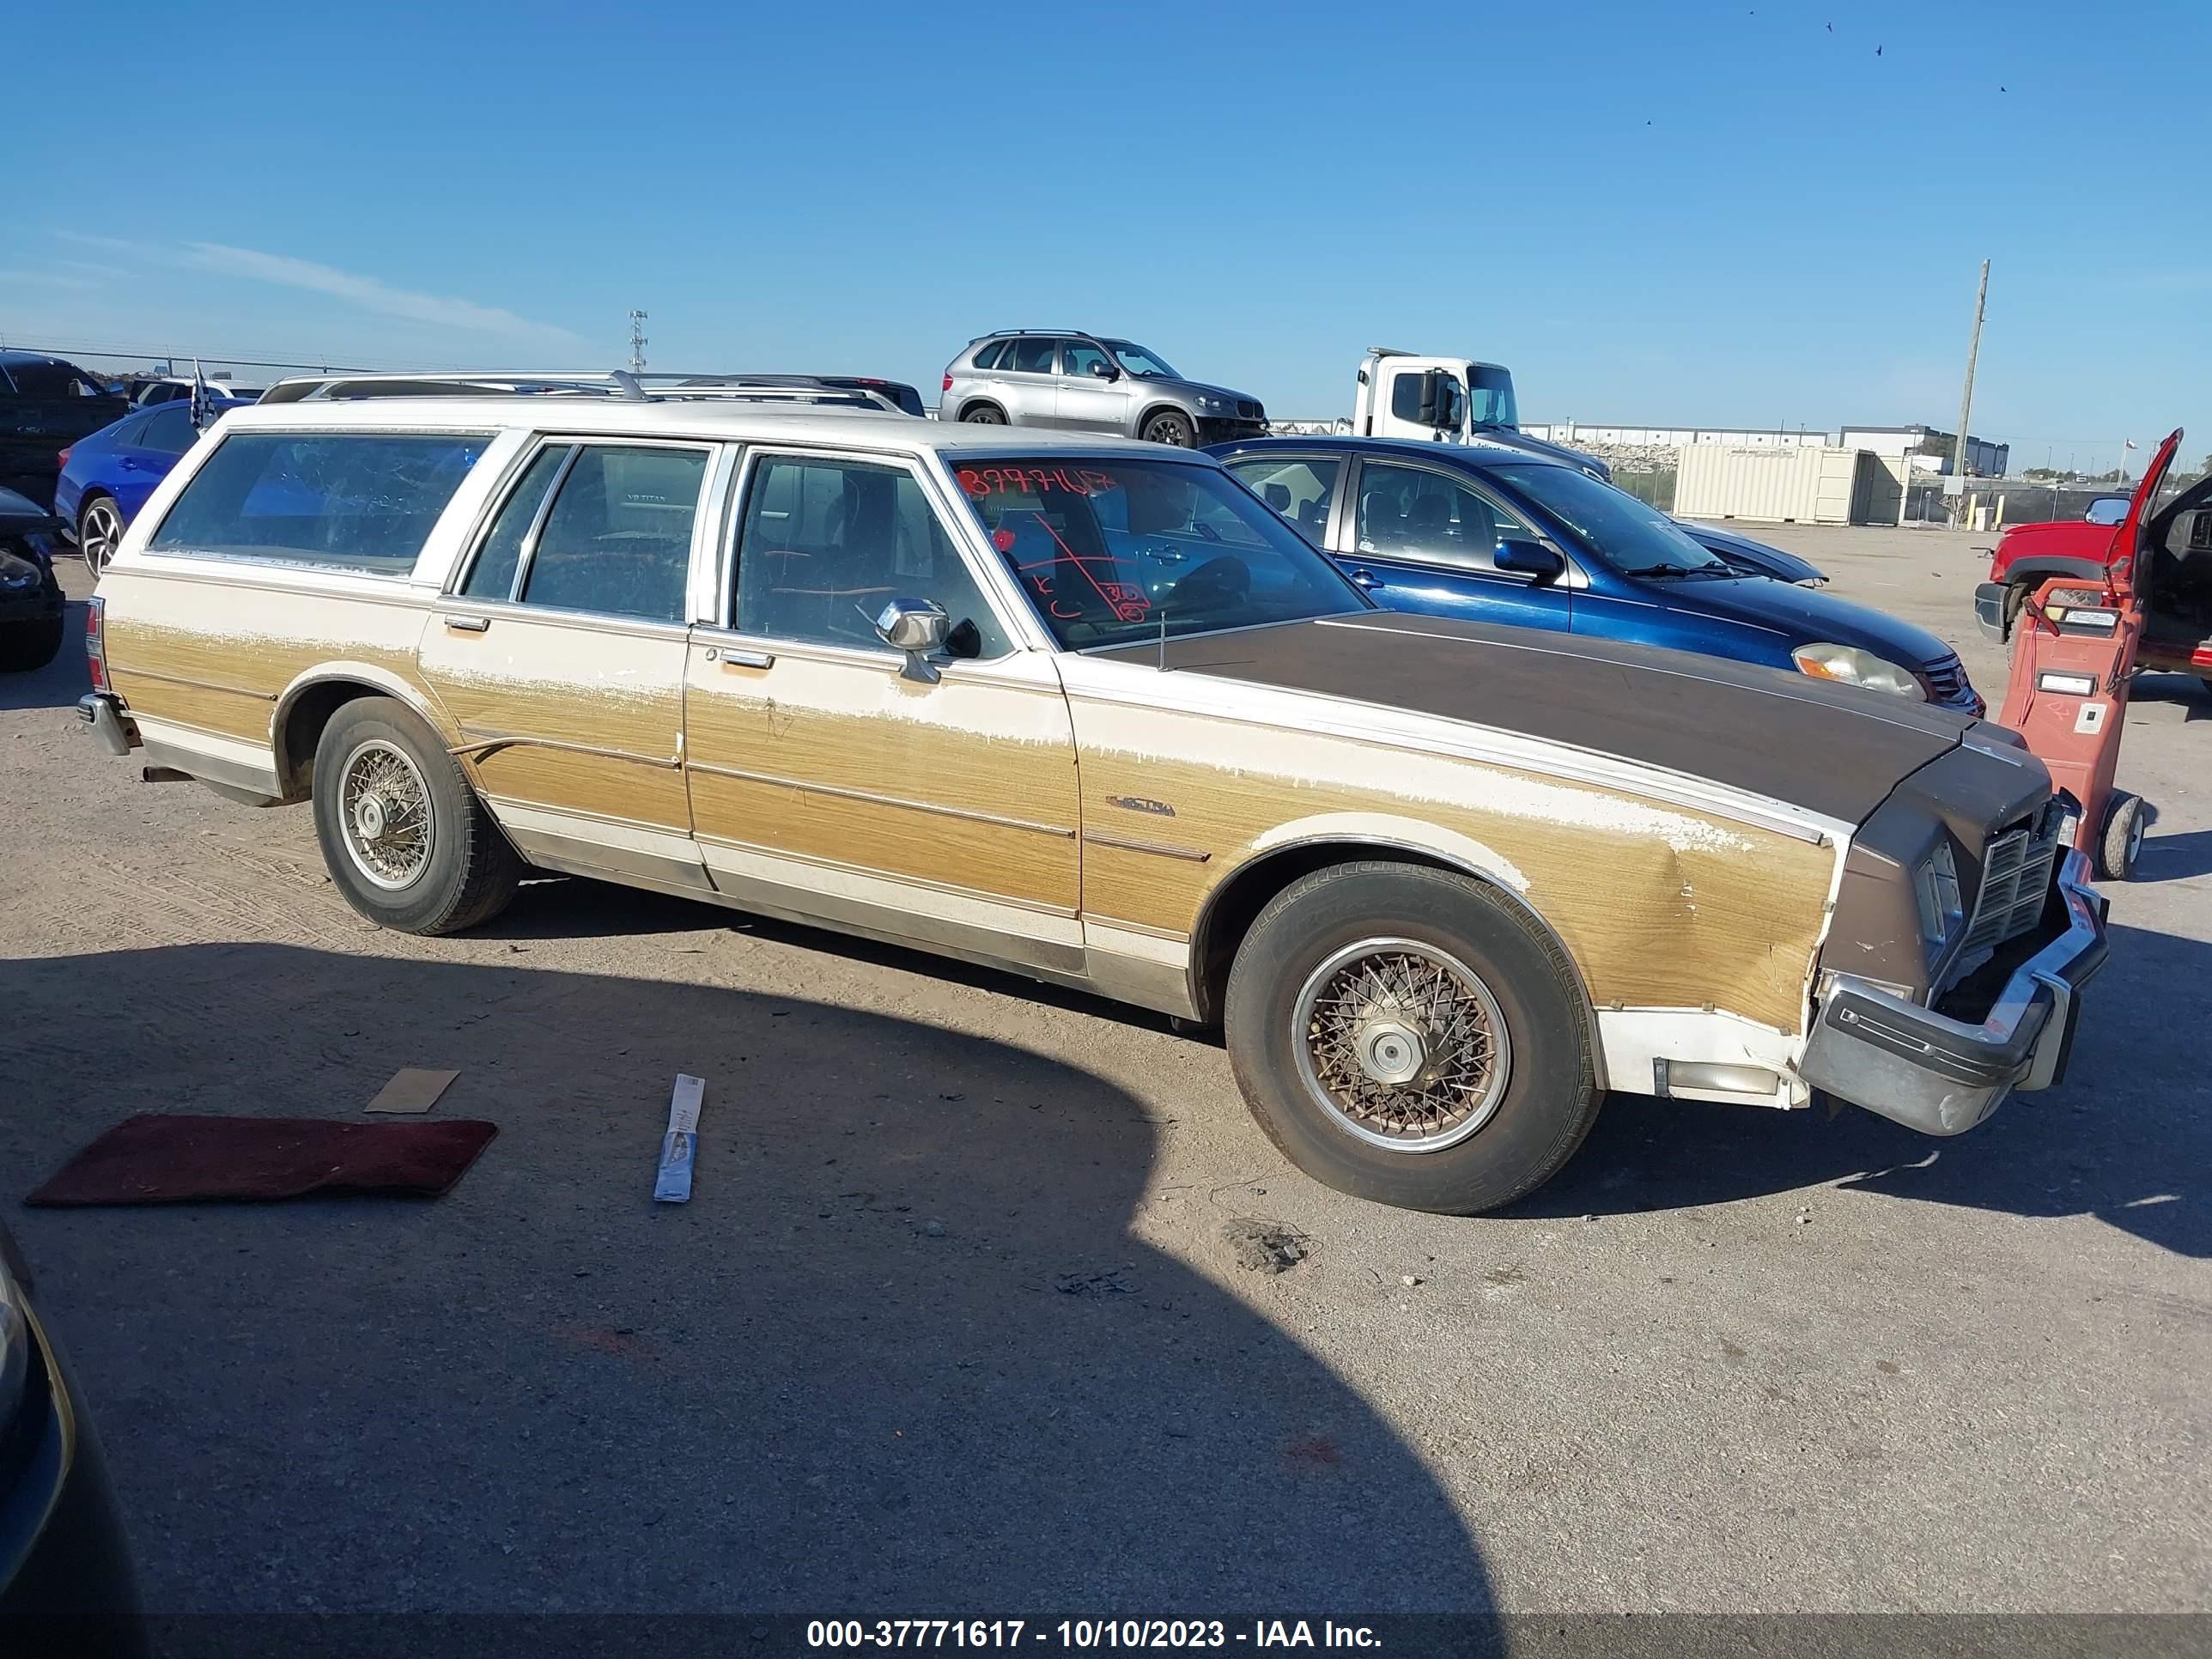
1213,405
16,573
1853,667
1935,884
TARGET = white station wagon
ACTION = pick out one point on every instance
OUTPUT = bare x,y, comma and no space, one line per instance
1088,710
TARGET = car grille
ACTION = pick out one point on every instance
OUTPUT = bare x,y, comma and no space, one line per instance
1247,409
2015,877
1948,684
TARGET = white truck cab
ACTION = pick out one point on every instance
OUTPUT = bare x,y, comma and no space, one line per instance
1402,394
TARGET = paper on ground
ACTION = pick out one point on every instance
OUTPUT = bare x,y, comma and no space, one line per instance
674,1185
412,1090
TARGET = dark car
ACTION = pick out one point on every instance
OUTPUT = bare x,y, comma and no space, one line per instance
46,403
30,596
107,477
1504,536
67,1585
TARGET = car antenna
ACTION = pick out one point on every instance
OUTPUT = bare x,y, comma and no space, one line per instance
1163,638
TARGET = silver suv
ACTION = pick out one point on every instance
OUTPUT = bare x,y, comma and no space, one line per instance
1090,383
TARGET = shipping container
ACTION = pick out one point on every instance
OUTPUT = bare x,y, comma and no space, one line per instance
1784,485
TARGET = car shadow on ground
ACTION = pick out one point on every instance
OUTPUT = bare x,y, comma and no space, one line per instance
2173,857
901,1352
2124,1138
61,682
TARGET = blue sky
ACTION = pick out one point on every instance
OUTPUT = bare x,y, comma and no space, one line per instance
1678,213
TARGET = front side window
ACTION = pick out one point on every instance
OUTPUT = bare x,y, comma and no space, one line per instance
1300,487
1413,513
1082,358
618,541
1145,365
1112,552
826,544
357,501
1029,356
1611,523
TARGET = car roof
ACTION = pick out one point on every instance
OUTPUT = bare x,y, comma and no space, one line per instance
1476,455
700,423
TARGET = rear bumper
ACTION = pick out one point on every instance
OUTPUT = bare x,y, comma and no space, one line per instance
111,726
1942,1076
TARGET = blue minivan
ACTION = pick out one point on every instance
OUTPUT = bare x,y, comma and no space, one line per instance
1501,534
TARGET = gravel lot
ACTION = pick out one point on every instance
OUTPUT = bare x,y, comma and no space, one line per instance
955,1322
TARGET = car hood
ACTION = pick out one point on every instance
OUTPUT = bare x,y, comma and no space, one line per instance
1771,561
1507,437
1196,388
1832,750
2068,538
1806,614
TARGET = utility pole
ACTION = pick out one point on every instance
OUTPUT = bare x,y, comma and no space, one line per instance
1966,398
637,338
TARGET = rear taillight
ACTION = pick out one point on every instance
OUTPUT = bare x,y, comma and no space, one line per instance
63,457
95,649
947,387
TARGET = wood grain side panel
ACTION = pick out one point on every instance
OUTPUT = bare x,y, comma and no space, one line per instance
251,643
1660,906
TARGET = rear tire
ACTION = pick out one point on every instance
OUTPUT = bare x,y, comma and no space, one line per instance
2015,597
1406,1035
98,531
1171,427
2119,843
29,645
405,836
983,415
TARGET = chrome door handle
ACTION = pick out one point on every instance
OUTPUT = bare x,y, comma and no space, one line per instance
1366,579
737,659
468,624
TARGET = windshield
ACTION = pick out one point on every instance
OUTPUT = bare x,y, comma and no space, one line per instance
1136,360
1490,396
1112,552
1639,540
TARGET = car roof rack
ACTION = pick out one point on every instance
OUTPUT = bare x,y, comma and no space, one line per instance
615,383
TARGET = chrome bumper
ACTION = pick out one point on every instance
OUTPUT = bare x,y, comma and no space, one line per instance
1942,1076
111,727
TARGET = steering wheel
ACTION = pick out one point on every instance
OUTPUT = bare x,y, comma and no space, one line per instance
1219,580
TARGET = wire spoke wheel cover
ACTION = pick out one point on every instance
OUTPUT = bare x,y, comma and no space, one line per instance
385,815
1401,1045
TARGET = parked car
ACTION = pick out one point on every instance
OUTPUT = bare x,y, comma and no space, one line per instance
1089,383
1467,530
2174,586
46,403
67,1584
31,604
107,477
1085,709
1750,558
148,390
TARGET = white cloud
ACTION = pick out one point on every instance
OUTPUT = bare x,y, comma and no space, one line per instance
367,292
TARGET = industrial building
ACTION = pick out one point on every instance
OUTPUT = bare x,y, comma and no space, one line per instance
1930,447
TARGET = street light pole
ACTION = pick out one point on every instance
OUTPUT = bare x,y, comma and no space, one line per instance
1966,398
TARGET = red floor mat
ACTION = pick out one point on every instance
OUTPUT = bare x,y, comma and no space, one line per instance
161,1158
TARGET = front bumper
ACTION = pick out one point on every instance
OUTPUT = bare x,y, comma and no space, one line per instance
1988,610
1228,428
1942,1076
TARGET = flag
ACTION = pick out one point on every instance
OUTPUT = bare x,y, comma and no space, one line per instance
202,410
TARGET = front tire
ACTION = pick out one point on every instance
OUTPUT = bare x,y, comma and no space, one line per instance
99,532
404,836
1406,1035
1172,427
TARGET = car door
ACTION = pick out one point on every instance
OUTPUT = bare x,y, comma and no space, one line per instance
1300,487
1028,375
827,785
148,451
560,653
1425,538
1094,392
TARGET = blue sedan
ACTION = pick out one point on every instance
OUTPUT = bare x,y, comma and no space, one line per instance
107,477
1502,535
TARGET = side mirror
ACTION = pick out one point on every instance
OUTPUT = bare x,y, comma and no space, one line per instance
1104,370
917,627
2108,509
1534,560
1436,401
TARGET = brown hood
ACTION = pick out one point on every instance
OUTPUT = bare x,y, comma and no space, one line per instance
1829,749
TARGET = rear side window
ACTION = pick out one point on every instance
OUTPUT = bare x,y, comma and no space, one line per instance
1031,356
618,539
169,430
989,356
492,575
363,502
